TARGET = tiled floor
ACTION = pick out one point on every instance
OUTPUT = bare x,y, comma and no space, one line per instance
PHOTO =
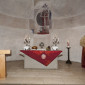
65,74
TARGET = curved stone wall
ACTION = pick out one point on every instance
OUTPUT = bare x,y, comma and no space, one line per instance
24,8
67,8
68,23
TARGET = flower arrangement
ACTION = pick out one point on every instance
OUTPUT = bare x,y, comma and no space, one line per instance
82,41
27,40
55,41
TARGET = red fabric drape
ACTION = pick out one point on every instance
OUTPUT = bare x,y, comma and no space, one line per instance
83,57
37,55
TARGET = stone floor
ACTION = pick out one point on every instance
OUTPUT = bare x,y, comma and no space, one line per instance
65,74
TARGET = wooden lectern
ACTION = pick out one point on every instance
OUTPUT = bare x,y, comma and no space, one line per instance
3,62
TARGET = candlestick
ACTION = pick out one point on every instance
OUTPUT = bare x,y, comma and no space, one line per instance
68,43
58,39
68,61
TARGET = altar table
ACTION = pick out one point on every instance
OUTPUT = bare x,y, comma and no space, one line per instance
40,59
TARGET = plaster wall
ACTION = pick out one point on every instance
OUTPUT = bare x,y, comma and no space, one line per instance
12,39
66,26
10,21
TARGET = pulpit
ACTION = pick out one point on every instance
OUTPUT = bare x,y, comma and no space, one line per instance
3,63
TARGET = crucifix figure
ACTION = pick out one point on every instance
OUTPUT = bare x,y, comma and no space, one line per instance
43,19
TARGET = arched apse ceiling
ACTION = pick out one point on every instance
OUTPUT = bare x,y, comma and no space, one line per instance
68,8
17,8
25,8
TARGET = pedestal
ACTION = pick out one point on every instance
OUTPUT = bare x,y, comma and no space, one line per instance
68,61
83,57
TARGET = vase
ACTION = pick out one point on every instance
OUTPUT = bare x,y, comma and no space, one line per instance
54,47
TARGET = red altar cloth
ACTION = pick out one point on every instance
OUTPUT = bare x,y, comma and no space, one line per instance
44,57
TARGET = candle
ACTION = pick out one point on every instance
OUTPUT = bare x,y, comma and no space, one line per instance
53,38
68,44
29,38
58,39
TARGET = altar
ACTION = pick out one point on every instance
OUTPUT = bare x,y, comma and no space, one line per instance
40,59
44,55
